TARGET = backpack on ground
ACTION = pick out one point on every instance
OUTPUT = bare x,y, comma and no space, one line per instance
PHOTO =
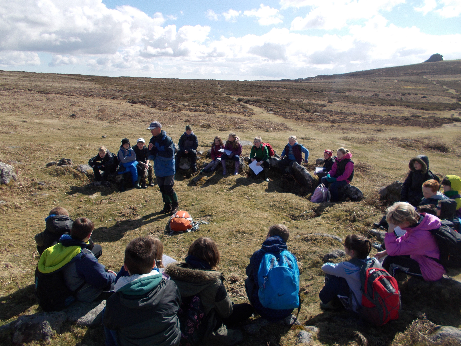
380,293
270,150
449,243
278,280
181,221
52,291
321,194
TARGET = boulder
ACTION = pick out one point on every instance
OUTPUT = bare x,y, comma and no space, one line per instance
7,173
84,169
65,162
319,162
351,192
333,255
446,335
41,326
303,177
391,193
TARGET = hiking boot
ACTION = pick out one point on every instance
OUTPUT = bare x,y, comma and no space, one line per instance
166,208
174,207
227,337
151,183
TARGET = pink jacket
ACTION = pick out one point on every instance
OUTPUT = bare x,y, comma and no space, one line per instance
347,170
215,153
419,243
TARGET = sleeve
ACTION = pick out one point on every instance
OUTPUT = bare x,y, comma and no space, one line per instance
253,152
238,150
153,151
335,269
406,184
283,152
405,245
213,152
181,143
195,146
168,148
223,304
333,169
265,153
108,160
94,272
91,162
347,172
306,152
40,239
120,156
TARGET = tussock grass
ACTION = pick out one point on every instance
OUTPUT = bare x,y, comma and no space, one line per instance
38,127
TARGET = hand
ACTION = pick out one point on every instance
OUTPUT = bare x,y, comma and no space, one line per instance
150,146
253,159
381,254
259,163
112,272
306,161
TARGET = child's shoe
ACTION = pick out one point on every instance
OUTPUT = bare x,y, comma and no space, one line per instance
225,336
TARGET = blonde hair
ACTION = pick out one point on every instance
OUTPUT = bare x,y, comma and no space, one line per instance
401,212
236,141
258,139
343,150
293,137
102,148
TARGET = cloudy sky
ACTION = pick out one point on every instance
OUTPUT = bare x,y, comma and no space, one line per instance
219,39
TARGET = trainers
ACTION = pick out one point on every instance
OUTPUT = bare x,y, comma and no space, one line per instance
225,336
151,183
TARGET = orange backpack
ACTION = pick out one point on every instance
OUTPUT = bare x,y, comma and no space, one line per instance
181,221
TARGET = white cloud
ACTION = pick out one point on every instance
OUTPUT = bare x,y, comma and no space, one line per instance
231,15
427,6
59,60
266,15
450,8
14,58
211,15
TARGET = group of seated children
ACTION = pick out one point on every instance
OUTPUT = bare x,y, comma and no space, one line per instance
133,160
185,302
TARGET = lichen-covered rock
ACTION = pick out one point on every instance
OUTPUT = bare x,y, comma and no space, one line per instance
84,169
7,173
65,162
303,177
37,327
391,193
86,314
446,335
333,255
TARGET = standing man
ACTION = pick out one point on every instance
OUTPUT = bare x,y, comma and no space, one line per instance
161,150
188,145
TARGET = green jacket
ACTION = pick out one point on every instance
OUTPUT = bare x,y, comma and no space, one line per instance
261,153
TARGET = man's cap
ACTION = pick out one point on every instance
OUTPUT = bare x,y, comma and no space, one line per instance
154,125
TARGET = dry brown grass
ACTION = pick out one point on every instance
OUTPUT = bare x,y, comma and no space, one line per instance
38,127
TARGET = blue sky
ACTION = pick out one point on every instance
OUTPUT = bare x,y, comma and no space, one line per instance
243,40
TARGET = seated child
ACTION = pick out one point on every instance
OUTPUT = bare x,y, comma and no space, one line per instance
143,310
452,188
127,159
217,150
103,162
260,154
234,148
58,222
341,173
293,152
83,274
144,167
431,194
419,173
274,243
188,145
328,162
342,281
446,212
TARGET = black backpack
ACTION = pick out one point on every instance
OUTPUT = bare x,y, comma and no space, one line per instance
449,243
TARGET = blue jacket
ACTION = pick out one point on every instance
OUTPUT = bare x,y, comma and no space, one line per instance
274,245
162,153
83,268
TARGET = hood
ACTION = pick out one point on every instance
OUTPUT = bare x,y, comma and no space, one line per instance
447,209
274,245
423,160
191,134
455,182
185,272
145,292
56,257
427,222
58,223
135,285
347,156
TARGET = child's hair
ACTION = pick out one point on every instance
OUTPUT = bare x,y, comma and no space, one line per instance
219,139
158,250
140,254
258,139
358,243
280,230
236,141
293,138
81,228
328,152
102,148
432,184
59,211
446,182
343,150
401,212
206,250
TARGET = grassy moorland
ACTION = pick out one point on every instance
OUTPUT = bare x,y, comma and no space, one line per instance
385,117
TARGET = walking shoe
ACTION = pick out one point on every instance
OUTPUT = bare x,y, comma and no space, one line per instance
166,208
174,207
227,337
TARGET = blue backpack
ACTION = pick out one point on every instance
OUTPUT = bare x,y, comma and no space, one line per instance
278,280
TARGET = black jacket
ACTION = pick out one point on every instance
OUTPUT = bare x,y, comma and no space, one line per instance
188,142
56,226
107,162
141,155
412,187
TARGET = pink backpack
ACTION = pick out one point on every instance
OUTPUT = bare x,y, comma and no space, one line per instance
321,194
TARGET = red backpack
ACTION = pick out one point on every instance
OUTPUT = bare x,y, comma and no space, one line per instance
270,150
380,293
181,221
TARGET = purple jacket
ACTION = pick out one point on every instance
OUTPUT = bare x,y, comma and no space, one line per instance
419,243
347,170
235,151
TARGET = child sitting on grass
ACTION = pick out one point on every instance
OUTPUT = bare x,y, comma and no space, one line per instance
234,149
216,152
128,163
419,173
342,281
143,310
452,188
103,162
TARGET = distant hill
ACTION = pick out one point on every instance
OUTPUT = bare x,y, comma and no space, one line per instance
448,67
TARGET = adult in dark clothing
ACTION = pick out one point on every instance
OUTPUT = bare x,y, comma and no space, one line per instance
143,167
188,145
161,151
275,243
143,310
419,173
103,162
447,213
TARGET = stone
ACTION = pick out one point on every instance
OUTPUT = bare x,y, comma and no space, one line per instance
7,173
84,168
41,326
303,176
391,193
351,192
446,335
52,163
319,162
333,255
303,338
86,314
65,162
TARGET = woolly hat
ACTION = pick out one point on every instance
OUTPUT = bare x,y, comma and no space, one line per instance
125,140
329,152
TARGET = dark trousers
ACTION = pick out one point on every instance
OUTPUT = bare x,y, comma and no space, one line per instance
284,163
334,188
334,286
240,313
192,155
403,263
97,173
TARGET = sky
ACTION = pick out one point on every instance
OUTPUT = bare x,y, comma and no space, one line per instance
224,40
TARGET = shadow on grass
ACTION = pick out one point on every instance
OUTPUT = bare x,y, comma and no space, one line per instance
17,302
89,190
116,232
